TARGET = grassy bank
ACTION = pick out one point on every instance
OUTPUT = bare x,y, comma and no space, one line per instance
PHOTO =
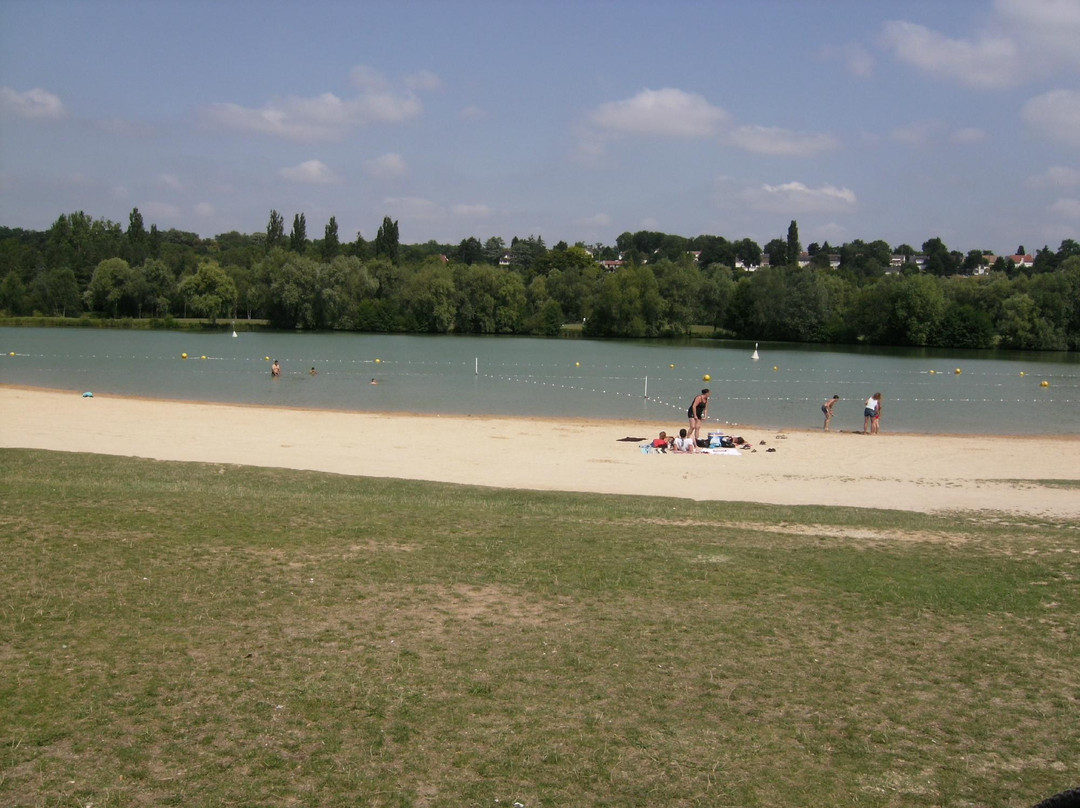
190,634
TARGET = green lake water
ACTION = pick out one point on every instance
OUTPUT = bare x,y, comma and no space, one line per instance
994,393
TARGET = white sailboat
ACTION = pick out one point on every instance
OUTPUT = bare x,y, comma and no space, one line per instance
755,357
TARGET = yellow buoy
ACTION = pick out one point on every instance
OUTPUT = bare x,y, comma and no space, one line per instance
11,354
266,358
671,366
1022,373
203,356
958,371
577,364
183,356
377,361
1044,384
932,372
776,367
707,377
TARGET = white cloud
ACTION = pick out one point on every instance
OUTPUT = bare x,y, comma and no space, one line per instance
1020,40
1066,208
918,133
780,142
1056,177
597,220
667,112
386,167
857,60
1056,115
424,81
967,135
413,207
990,63
368,78
152,211
169,181
312,172
1048,31
795,197
204,210
324,117
472,211
35,104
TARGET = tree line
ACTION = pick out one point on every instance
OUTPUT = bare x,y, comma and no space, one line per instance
650,284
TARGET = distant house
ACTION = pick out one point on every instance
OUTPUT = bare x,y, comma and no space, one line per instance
805,258
611,266
1022,261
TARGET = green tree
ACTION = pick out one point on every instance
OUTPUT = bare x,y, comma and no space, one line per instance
58,292
679,285
794,249
137,238
275,231
627,304
298,236
210,292
14,299
470,251
387,242
777,250
431,296
117,289
331,245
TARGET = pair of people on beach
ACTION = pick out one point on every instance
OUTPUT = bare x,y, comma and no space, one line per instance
871,413
683,443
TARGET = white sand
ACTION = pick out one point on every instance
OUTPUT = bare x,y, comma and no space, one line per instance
908,472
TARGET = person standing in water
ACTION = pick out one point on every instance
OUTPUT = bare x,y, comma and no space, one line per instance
275,369
872,414
697,412
826,410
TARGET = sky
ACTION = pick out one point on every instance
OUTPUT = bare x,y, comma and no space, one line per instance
571,121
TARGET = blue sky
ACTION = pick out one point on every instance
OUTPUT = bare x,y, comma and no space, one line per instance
574,121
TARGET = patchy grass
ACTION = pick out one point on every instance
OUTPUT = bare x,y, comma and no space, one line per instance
193,634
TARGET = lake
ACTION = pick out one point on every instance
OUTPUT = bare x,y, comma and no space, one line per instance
993,393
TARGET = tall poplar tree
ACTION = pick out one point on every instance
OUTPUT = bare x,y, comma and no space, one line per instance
275,230
298,237
793,246
331,246
386,240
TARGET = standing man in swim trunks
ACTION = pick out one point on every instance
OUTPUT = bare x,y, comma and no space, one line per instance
826,410
697,412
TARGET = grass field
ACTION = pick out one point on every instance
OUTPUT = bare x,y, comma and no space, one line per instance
190,634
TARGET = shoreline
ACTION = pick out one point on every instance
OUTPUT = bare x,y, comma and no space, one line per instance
553,419
902,471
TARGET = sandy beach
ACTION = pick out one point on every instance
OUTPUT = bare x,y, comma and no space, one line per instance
926,473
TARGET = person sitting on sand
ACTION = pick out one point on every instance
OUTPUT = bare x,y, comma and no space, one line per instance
662,443
684,443
826,409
